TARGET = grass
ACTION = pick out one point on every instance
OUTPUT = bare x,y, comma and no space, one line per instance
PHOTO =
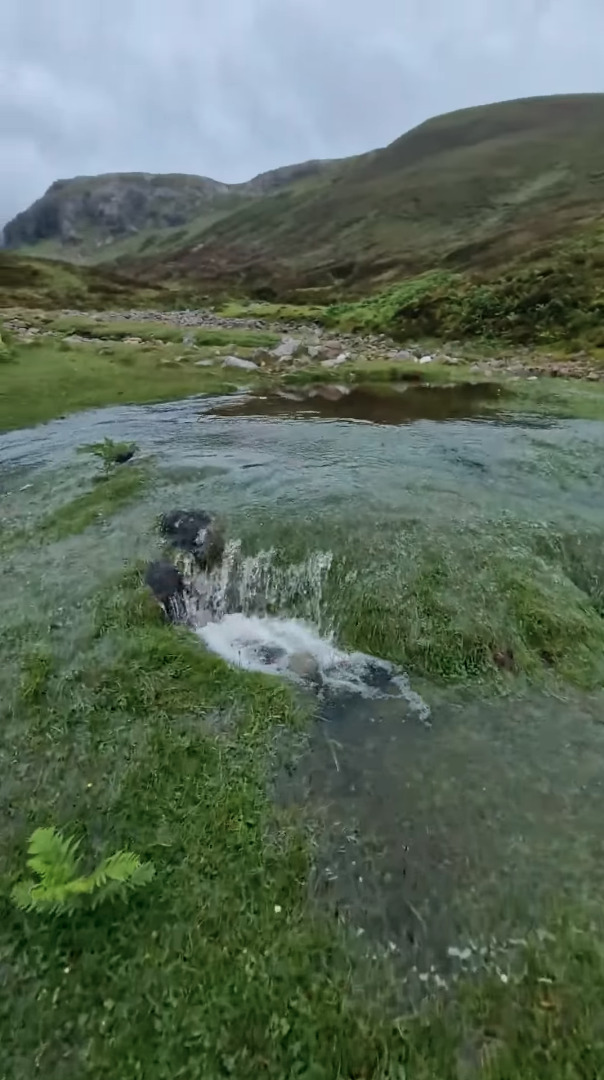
248,309
28,282
490,601
45,381
123,731
221,966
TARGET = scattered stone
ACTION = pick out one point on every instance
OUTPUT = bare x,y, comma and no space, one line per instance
167,585
204,363
287,349
343,358
188,338
194,532
426,360
402,354
239,362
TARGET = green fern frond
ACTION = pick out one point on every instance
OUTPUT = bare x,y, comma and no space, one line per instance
53,858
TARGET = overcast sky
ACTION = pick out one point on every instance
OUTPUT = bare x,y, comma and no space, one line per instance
229,88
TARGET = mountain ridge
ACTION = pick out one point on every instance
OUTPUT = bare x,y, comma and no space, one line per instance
470,189
82,212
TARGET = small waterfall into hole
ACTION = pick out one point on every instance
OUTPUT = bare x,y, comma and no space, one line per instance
263,616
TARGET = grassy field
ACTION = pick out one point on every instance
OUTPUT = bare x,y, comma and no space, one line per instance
69,379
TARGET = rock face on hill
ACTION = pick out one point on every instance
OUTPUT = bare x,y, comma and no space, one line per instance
90,211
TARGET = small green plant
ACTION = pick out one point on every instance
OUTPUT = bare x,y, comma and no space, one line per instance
110,453
53,858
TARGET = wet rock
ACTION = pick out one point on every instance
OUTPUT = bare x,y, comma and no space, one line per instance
304,665
196,533
239,362
125,455
167,585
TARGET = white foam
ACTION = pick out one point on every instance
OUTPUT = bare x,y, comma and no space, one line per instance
295,650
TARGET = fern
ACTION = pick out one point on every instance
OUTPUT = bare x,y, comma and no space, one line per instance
110,453
53,858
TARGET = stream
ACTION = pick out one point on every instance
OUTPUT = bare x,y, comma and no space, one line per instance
450,816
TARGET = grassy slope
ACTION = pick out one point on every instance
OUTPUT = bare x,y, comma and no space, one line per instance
29,282
476,186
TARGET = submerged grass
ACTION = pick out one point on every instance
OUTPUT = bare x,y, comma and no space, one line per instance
478,602
108,495
222,966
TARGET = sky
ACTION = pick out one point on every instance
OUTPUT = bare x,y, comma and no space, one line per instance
230,88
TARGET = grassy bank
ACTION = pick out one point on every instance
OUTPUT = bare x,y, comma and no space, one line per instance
43,381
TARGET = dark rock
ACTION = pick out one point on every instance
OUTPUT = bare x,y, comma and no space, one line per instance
196,533
126,455
167,586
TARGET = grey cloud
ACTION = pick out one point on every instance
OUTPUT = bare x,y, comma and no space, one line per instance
228,90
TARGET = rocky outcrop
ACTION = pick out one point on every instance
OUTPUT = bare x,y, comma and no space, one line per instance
104,208
91,211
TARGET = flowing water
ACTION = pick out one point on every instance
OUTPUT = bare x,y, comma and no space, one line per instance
450,818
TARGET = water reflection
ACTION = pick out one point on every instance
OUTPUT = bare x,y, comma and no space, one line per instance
399,403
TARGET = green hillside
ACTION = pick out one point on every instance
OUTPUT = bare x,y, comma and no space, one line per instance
470,189
91,219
